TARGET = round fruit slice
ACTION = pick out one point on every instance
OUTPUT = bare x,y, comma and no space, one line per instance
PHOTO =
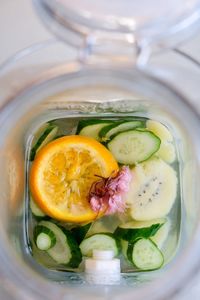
167,152
62,174
152,191
160,130
167,149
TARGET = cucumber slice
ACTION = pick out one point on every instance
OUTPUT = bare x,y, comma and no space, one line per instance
108,131
80,232
104,224
100,241
92,127
48,135
39,132
37,212
124,246
133,230
88,122
162,234
66,250
44,237
97,227
133,146
145,255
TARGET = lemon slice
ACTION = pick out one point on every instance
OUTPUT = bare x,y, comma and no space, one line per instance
62,174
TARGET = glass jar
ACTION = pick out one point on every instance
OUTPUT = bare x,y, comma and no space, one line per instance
52,80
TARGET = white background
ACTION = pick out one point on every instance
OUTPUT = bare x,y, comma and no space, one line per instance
21,27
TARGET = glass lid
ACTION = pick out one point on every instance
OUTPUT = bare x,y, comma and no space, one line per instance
155,21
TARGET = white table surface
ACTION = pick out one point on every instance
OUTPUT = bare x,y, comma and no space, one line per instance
20,27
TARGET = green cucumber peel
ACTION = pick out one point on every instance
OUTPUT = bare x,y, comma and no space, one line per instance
105,129
66,250
134,256
132,234
74,248
88,122
40,140
107,132
80,232
43,229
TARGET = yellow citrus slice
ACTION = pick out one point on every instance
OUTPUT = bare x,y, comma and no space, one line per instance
62,174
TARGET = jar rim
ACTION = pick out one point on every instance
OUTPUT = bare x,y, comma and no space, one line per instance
81,21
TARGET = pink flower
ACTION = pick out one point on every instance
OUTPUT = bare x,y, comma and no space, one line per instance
115,204
106,194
